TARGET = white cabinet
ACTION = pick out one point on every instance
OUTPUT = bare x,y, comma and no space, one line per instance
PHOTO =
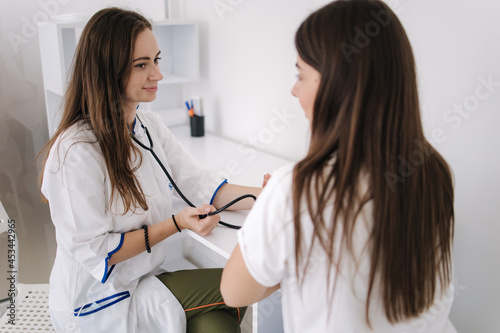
57,46
178,41
179,44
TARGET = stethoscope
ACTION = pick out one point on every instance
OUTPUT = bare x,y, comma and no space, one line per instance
150,149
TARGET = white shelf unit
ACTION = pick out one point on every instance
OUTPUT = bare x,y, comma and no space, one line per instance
57,46
179,44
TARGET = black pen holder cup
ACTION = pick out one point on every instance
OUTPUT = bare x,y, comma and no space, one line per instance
197,125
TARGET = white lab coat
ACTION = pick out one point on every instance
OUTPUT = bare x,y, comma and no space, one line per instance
86,295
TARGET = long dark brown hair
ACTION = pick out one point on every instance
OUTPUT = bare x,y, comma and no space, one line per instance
95,96
367,116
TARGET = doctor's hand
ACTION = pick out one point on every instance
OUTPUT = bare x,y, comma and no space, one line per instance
189,218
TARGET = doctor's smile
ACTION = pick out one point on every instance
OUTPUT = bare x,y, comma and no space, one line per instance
151,89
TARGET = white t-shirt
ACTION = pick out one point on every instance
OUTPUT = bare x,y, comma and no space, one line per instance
267,245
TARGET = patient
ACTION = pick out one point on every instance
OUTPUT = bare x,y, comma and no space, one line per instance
354,241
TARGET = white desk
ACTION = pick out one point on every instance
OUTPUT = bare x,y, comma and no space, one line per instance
242,166
225,157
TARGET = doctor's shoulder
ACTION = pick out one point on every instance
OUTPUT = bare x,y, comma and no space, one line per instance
77,140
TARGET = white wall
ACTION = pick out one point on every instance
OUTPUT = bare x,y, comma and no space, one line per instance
455,46
248,64
248,61
248,70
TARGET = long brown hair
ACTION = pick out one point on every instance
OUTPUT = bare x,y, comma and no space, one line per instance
95,96
367,115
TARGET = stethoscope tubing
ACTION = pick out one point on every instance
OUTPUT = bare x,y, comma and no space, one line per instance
186,200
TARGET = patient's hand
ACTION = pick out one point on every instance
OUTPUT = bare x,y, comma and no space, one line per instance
266,178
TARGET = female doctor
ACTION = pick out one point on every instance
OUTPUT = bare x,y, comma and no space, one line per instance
111,203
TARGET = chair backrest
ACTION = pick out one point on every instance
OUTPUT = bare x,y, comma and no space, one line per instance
31,310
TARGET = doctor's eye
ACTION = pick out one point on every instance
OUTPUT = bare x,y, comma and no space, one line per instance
141,66
157,60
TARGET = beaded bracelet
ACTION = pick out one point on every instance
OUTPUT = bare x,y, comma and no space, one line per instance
173,218
146,238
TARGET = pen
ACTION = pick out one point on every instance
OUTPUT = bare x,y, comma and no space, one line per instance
190,109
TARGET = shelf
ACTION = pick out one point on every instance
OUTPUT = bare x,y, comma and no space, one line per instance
172,22
71,20
172,117
179,45
174,79
54,103
54,91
